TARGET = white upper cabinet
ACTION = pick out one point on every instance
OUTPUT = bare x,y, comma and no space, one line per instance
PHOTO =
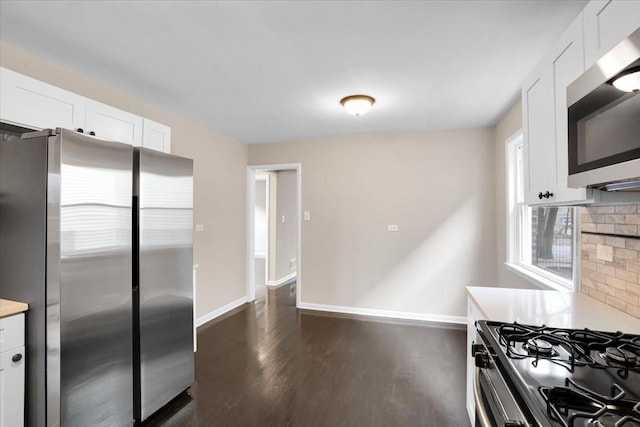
606,23
33,104
599,28
156,136
539,144
112,123
544,106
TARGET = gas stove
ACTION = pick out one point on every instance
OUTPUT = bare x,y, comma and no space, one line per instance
558,377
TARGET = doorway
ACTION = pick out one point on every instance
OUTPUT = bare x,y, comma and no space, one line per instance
274,230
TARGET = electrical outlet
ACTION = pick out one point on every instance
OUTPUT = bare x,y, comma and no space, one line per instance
292,263
199,227
392,227
604,253
307,216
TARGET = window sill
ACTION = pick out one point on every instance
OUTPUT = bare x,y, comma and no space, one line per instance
539,278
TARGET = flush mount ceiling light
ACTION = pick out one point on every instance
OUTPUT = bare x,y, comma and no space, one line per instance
628,82
357,104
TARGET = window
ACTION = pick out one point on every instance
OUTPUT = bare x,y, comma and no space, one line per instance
541,241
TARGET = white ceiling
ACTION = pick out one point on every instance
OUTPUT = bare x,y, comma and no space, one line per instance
275,70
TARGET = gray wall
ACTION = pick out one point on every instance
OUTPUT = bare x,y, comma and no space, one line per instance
286,232
438,187
219,178
444,189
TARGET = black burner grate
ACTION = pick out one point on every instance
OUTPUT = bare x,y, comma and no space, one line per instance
572,348
575,404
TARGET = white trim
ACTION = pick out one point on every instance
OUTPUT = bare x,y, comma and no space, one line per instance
511,234
250,267
389,314
195,320
577,251
539,277
270,254
220,311
251,236
283,281
267,179
272,225
518,243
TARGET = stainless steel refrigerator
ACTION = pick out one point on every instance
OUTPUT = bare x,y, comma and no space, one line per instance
66,250
96,237
163,279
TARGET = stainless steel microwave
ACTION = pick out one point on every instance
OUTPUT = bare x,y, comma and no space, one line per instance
604,121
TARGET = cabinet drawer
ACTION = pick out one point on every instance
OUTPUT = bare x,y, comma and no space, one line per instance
12,332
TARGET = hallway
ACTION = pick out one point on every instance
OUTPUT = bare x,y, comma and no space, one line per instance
268,364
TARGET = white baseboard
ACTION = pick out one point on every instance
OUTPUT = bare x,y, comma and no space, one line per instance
439,318
220,311
283,281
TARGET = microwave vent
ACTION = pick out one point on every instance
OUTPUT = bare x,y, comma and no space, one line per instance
630,185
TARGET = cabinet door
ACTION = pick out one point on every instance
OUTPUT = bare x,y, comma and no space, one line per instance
12,388
112,123
33,104
473,315
539,135
156,136
545,122
606,23
567,62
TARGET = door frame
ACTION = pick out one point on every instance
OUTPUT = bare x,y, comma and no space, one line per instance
251,192
267,181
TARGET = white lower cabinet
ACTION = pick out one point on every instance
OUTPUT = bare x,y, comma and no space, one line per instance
12,361
473,315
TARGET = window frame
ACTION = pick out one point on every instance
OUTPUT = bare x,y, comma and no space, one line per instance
518,218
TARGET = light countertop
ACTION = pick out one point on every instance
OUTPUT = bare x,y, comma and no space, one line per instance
552,308
9,308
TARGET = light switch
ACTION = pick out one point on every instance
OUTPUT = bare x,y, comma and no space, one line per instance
307,216
282,218
392,227
199,227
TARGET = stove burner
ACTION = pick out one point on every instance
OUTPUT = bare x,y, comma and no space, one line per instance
620,355
539,346
602,383
577,405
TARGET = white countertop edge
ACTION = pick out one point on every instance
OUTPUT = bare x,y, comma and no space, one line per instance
552,308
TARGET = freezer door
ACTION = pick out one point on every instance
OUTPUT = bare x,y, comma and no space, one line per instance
164,190
89,279
23,213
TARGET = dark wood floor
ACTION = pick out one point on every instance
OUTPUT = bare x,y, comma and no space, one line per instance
271,365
